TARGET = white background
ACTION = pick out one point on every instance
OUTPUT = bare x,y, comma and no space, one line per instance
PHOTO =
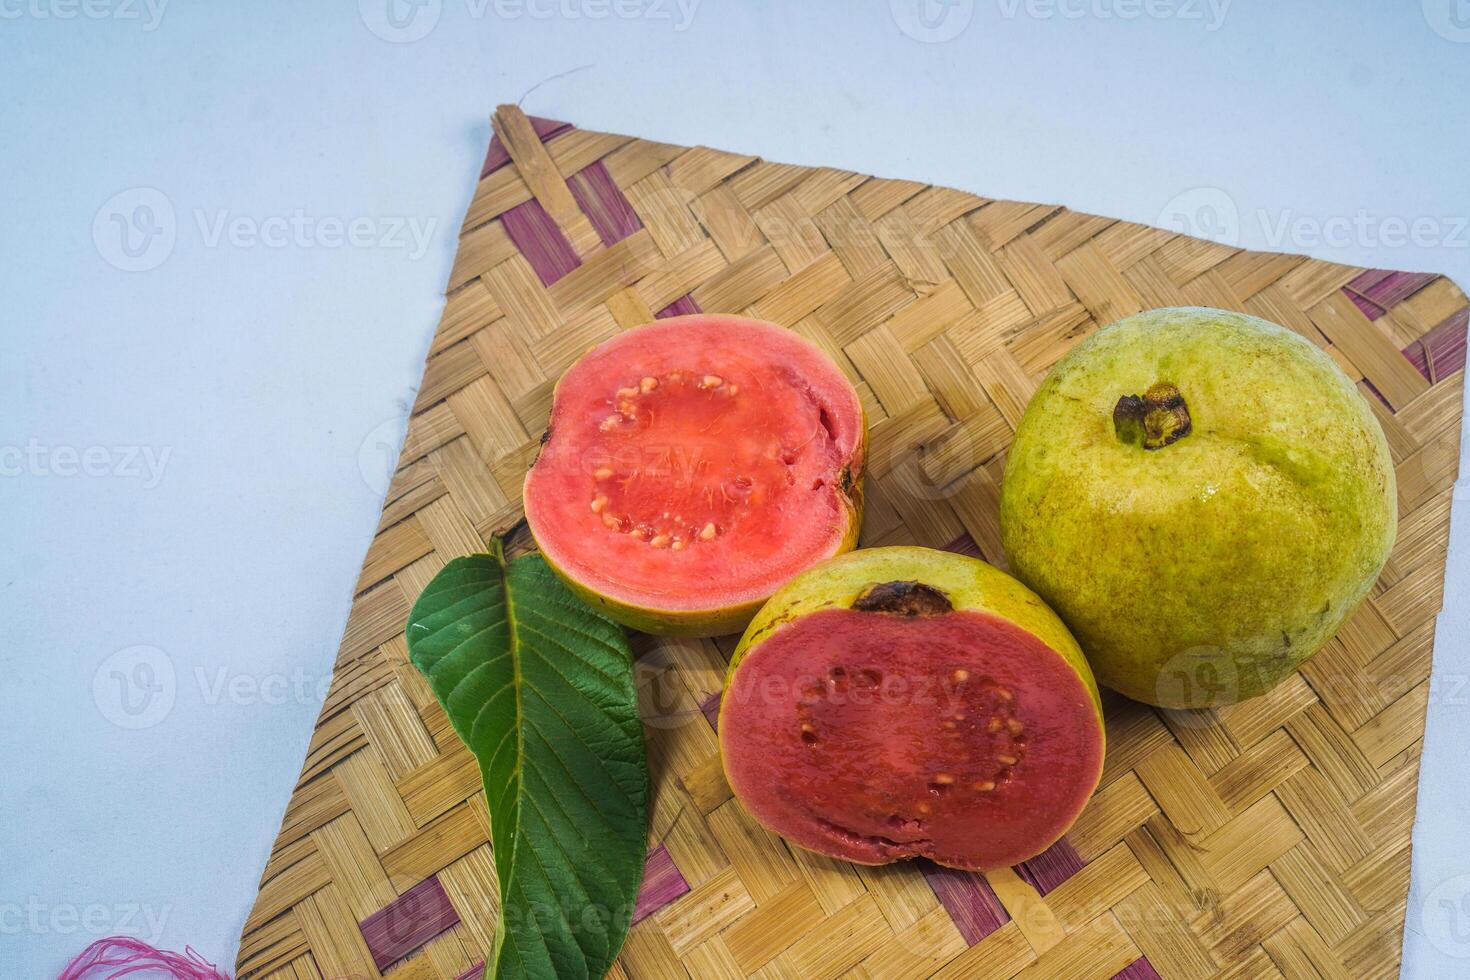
268,381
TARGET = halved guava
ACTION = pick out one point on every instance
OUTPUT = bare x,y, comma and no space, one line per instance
903,702
694,465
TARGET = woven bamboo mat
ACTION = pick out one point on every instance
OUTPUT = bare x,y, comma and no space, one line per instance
1267,839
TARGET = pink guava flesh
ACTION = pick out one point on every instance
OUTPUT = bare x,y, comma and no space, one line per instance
870,737
696,463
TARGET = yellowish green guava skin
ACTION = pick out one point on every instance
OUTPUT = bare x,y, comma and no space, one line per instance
969,584
718,620
1202,572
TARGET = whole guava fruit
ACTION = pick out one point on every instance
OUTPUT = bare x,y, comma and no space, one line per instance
1204,497
903,702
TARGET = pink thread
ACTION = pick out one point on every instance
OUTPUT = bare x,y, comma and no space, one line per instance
123,955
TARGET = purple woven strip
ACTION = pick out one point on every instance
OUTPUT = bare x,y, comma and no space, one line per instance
683,306
603,203
1379,290
1444,346
662,883
968,899
475,972
497,156
1370,309
1373,390
538,238
1139,969
1367,279
964,545
1051,867
409,921
711,708
1396,287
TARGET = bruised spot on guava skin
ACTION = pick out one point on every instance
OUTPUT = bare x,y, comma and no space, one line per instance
903,599
1158,419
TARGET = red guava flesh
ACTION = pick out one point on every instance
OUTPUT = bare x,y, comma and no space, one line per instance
692,466
961,738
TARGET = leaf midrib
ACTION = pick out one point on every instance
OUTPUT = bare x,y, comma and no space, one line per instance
513,647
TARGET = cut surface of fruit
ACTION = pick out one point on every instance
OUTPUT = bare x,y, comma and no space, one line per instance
929,715
692,466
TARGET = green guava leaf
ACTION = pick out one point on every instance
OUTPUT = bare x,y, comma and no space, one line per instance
540,688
